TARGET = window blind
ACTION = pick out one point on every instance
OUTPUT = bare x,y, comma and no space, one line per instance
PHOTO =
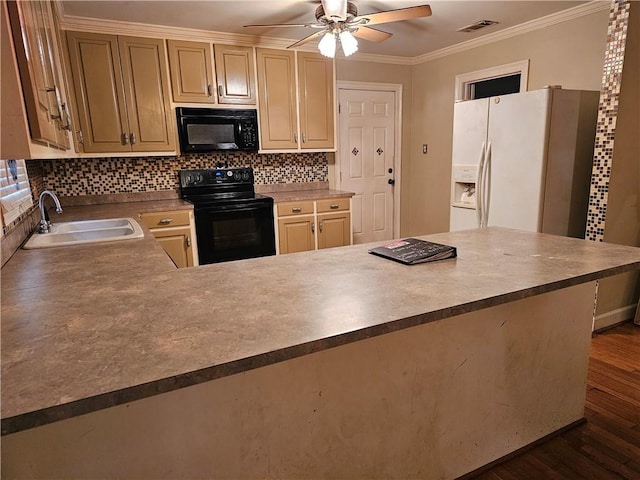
15,192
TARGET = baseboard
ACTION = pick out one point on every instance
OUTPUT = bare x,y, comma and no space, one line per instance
614,317
520,451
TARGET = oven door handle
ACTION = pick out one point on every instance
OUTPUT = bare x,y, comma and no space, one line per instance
244,207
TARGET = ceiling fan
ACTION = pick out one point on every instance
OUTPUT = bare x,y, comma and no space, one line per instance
338,21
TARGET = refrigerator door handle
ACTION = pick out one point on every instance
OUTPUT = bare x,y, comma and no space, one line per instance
479,191
486,185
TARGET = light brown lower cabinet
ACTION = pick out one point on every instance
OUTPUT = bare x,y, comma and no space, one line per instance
296,234
313,224
334,230
175,231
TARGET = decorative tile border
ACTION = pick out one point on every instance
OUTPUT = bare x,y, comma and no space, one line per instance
101,176
607,117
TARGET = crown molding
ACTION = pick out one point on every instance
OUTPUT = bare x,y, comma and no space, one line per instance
113,27
377,58
533,25
85,24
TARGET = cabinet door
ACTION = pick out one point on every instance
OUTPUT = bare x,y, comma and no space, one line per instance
278,111
177,242
33,32
191,72
97,80
235,74
334,230
296,234
146,91
315,91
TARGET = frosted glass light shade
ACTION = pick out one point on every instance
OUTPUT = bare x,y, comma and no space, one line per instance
327,45
349,43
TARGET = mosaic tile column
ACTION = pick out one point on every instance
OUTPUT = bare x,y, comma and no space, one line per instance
607,117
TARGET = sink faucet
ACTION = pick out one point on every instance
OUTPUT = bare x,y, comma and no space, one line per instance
44,222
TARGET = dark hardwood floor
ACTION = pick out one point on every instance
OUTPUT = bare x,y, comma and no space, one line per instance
607,446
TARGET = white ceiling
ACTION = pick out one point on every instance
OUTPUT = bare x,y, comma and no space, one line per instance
411,38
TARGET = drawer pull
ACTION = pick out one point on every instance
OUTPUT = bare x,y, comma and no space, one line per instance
165,221
296,209
334,206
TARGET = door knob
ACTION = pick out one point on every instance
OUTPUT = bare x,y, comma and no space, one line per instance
391,181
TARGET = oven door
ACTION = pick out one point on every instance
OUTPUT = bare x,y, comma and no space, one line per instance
233,231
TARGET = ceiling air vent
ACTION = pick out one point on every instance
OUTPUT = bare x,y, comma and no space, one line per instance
477,26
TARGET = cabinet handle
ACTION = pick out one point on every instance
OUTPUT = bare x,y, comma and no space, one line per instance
296,209
165,221
65,119
188,241
125,138
334,206
220,91
295,138
133,138
66,124
54,89
313,227
320,225
80,137
304,138
209,90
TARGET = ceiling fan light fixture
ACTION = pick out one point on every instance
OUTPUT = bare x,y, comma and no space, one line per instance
348,42
327,45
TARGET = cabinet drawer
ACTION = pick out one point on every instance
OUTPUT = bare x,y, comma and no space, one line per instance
165,219
333,204
295,208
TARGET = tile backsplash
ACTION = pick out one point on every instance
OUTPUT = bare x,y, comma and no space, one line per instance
100,176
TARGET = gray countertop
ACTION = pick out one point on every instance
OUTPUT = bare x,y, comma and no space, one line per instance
88,327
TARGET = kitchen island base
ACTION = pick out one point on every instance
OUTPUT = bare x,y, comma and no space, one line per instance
436,400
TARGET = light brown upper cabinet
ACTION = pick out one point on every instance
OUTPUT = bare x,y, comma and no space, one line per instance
315,91
285,97
122,93
36,42
191,72
235,74
276,84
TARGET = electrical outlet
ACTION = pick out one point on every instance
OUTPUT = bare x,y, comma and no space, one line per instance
424,148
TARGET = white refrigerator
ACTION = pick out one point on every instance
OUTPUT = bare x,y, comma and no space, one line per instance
524,161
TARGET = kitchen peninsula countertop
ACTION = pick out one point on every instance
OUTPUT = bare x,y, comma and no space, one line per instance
89,327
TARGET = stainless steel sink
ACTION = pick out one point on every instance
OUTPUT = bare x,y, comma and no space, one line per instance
87,231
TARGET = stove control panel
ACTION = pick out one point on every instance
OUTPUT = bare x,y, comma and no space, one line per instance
216,176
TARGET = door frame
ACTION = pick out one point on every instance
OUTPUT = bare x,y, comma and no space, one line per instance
396,88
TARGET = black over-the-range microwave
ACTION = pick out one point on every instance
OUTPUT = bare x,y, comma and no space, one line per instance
210,129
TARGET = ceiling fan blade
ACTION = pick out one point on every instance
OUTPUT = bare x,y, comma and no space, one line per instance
371,34
335,10
270,25
311,37
395,15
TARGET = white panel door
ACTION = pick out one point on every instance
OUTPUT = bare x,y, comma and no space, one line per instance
367,133
518,127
